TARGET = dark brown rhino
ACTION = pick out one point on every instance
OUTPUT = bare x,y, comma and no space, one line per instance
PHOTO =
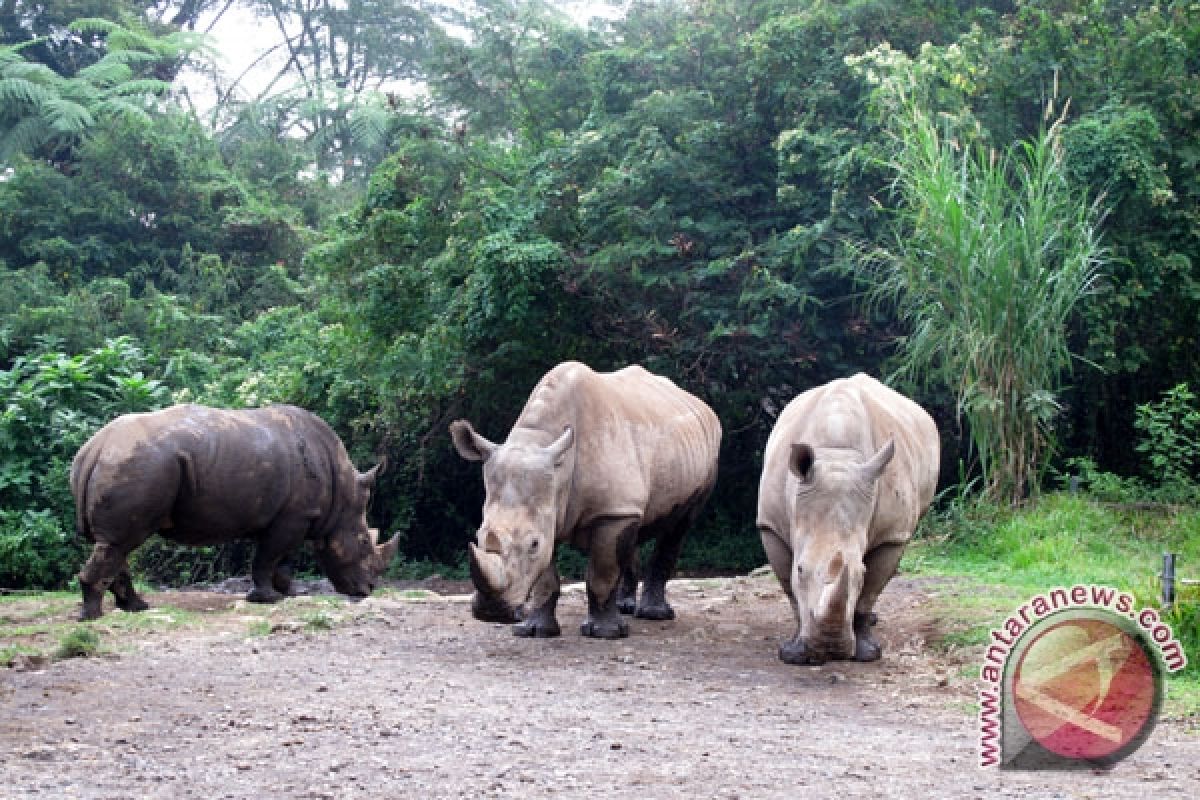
602,461
848,470
200,476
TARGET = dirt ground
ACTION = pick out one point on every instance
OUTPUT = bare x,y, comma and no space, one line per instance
405,695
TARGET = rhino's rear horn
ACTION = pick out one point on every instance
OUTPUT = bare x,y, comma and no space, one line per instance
874,466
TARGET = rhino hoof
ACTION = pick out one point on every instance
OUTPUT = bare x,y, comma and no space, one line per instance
133,604
605,629
797,652
537,630
655,612
867,649
260,595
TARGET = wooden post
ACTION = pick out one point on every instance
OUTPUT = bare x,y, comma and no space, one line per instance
1168,580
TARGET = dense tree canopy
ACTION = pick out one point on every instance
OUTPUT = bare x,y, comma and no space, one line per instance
434,203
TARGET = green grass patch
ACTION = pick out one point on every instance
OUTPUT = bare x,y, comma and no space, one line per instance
80,642
259,628
999,558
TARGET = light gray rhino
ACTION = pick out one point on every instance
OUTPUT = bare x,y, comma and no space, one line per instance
199,476
602,461
849,469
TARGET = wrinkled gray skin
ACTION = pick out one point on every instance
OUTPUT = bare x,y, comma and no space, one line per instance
849,469
203,476
603,461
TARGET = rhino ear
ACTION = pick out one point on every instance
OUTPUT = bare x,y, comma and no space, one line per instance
559,447
469,444
801,461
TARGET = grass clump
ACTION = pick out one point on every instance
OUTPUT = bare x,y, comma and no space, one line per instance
80,642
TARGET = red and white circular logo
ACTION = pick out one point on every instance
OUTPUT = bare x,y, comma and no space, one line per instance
1085,687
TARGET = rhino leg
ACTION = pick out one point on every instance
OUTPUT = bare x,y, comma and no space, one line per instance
281,579
880,566
779,554
279,540
540,622
127,597
667,544
627,589
612,543
102,567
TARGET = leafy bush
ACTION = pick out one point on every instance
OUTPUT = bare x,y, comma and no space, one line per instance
35,549
1170,440
54,402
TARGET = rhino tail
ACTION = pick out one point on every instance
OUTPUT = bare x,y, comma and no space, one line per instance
80,479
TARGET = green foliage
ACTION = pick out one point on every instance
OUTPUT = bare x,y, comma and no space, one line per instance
992,254
54,402
35,548
1170,440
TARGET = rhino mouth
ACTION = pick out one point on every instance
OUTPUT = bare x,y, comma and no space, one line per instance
487,608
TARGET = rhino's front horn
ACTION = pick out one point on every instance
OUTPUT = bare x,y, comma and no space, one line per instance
834,600
487,570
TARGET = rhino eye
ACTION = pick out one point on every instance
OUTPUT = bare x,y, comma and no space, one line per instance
534,545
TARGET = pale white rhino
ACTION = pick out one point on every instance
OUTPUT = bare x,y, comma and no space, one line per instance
603,461
849,469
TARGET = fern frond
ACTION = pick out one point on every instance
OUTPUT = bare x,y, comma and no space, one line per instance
66,116
93,25
142,87
123,108
33,72
106,72
18,91
24,137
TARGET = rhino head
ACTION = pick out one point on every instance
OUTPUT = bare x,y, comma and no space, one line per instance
351,557
512,558
831,511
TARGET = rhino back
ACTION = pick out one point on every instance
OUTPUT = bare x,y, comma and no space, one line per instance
202,475
643,445
859,413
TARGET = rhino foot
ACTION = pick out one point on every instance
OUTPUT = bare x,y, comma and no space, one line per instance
262,595
605,628
133,604
627,604
537,628
866,646
93,602
797,651
657,611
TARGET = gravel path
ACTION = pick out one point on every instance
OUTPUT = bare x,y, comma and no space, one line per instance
404,695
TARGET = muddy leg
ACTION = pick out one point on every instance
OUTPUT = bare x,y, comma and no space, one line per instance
612,541
105,563
281,578
539,620
627,590
272,547
881,565
127,597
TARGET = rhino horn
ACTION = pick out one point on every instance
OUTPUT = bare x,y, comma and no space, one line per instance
874,466
834,598
387,550
487,570
367,478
